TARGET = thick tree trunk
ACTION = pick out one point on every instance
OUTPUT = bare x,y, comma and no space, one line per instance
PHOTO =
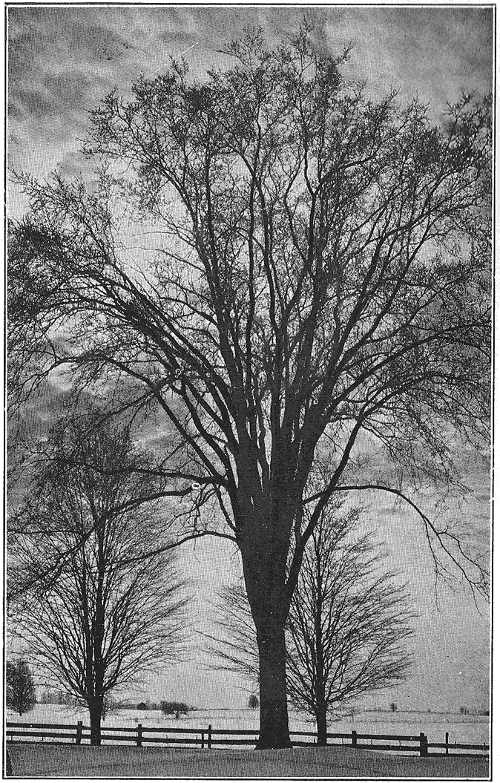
95,712
274,732
264,553
321,724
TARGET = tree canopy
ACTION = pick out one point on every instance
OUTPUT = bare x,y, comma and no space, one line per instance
20,688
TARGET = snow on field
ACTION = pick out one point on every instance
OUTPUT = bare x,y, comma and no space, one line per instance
461,728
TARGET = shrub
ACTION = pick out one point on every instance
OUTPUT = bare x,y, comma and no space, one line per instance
174,708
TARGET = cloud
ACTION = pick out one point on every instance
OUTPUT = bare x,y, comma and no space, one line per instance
62,61
430,52
97,42
170,37
51,29
67,88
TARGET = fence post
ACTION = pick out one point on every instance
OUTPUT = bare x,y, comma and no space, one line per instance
354,739
79,727
139,735
209,736
446,741
423,744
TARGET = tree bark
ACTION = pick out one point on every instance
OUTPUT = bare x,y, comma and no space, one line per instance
95,712
274,731
321,724
264,558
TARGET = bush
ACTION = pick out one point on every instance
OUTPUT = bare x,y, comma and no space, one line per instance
142,706
174,708
253,702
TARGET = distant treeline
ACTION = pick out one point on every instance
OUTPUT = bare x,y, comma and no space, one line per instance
177,707
394,708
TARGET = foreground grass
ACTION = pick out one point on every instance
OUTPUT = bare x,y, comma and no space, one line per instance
39,760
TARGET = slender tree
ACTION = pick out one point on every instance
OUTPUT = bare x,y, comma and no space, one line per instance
279,263
96,614
20,691
347,628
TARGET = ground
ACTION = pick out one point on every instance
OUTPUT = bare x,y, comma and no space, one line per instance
43,760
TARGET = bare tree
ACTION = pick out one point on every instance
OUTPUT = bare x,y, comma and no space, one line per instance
280,264
94,612
347,628
349,623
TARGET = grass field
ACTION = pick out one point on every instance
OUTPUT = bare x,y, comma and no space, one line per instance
39,760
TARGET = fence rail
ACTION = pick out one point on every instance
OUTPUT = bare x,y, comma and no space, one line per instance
207,737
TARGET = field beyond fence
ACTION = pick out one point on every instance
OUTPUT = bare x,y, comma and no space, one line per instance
209,738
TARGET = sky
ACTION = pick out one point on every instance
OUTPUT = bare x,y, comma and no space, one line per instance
63,60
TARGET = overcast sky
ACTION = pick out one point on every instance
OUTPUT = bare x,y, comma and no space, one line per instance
62,60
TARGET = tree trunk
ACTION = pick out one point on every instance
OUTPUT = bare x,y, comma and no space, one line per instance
95,712
264,557
8,765
321,724
319,659
274,732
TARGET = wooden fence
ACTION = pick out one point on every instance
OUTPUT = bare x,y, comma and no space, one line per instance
209,737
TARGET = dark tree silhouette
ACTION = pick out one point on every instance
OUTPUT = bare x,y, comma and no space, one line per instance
278,263
253,702
347,628
20,690
93,613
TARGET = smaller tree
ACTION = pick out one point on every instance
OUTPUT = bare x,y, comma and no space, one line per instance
99,614
20,687
110,706
253,702
347,626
